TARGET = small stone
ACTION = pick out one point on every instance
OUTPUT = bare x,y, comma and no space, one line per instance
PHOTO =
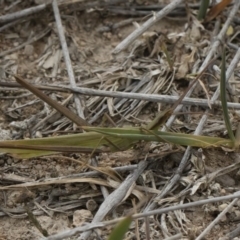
226,181
91,205
58,167
237,212
109,35
224,218
223,192
238,203
222,207
217,227
10,204
5,134
38,167
9,161
12,197
70,168
31,57
81,216
45,221
82,43
38,134
28,50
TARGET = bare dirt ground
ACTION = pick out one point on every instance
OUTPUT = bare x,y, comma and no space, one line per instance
162,61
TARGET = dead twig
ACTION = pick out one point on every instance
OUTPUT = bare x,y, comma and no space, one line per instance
20,14
125,95
8,25
79,105
134,35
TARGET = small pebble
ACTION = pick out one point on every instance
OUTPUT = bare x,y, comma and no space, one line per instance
91,205
82,43
38,134
237,213
28,50
38,167
81,216
222,207
223,192
238,203
9,161
217,227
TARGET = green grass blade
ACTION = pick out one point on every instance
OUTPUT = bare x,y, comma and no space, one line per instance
203,9
120,230
224,98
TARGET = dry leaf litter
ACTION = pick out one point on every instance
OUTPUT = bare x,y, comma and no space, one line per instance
62,191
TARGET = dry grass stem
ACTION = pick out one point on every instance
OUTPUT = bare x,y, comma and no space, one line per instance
134,35
79,105
24,13
140,96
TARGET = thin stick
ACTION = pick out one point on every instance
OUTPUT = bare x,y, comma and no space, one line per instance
134,35
20,14
79,106
26,12
8,25
115,94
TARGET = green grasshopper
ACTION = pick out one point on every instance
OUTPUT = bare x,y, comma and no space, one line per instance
104,139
